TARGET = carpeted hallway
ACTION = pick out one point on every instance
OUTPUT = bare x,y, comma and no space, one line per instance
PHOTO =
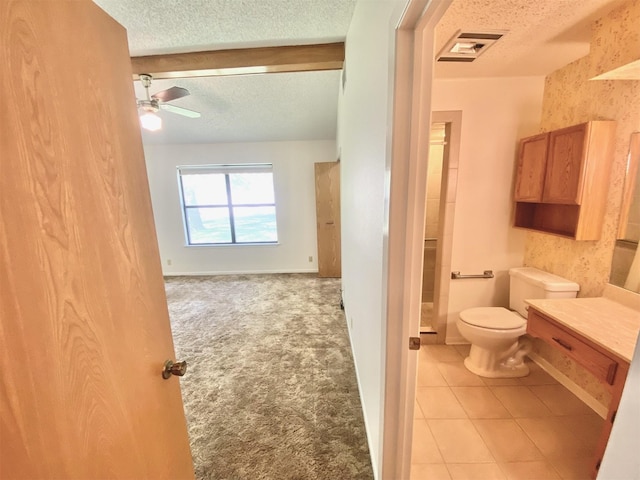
270,391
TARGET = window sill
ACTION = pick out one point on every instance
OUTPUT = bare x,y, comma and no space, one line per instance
227,245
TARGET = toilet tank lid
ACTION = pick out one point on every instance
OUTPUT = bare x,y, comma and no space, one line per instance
546,280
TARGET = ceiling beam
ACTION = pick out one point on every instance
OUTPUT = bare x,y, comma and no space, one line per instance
242,61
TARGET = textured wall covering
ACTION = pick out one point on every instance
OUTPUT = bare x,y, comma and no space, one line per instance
616,39
570,98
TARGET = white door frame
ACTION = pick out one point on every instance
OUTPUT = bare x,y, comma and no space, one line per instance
411,117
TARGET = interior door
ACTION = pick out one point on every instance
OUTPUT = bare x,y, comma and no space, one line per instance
84,327
328,218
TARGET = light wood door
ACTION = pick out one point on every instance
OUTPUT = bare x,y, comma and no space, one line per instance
328,218
532,162
84,327
563,182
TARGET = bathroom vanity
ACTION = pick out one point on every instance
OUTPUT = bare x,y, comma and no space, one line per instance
598,333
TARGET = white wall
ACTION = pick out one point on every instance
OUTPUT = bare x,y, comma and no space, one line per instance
294,183
621,459
363,133
496,113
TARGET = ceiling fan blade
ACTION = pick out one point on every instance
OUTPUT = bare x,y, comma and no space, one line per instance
180,111
170,94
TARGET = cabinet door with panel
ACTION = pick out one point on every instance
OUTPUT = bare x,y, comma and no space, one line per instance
532,162
555,171
565,166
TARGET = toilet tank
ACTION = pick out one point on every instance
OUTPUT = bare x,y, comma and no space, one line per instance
531,283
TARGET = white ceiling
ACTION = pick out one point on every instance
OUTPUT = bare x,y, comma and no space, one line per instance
543,36
248,108
176,26
251,108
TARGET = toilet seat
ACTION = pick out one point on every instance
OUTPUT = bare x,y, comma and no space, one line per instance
495,318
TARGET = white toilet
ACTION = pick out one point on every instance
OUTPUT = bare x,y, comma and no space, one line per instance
496,350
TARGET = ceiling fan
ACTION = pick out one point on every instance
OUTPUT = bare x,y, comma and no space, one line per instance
149,107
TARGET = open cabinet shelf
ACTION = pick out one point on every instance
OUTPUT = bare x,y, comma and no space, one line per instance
548,218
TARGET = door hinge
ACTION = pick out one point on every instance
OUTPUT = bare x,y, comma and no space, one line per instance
414,343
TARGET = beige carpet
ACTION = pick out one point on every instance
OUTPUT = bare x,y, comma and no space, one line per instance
270,391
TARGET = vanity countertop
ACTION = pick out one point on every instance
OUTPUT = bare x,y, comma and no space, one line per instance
605,322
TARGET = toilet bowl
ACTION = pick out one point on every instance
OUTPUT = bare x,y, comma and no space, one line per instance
494,333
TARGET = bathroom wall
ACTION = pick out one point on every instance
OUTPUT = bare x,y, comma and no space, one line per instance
429,269
571,98
434,183
496,112
434,180
623,255
615,47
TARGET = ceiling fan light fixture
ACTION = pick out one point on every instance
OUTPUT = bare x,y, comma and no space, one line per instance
150,121
149,106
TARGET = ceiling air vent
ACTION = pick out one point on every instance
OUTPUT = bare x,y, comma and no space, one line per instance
467,46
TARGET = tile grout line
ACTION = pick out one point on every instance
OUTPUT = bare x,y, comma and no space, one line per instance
546,460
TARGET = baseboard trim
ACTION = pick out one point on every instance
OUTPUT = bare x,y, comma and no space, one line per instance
374,465
456,341
242,272
570,385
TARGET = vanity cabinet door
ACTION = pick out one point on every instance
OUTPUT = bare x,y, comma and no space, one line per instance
532,161
566,158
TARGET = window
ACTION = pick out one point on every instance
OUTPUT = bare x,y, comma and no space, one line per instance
228,204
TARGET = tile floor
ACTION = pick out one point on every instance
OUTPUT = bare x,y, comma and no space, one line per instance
468,427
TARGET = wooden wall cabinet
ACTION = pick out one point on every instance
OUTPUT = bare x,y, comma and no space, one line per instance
562,180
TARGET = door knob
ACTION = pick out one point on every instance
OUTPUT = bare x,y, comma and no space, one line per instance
174,368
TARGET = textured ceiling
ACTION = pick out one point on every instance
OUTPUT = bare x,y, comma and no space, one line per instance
250,108
543,36
282,106
176,26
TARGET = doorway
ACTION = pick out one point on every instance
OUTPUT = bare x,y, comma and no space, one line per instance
327,181
442,174
437,143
